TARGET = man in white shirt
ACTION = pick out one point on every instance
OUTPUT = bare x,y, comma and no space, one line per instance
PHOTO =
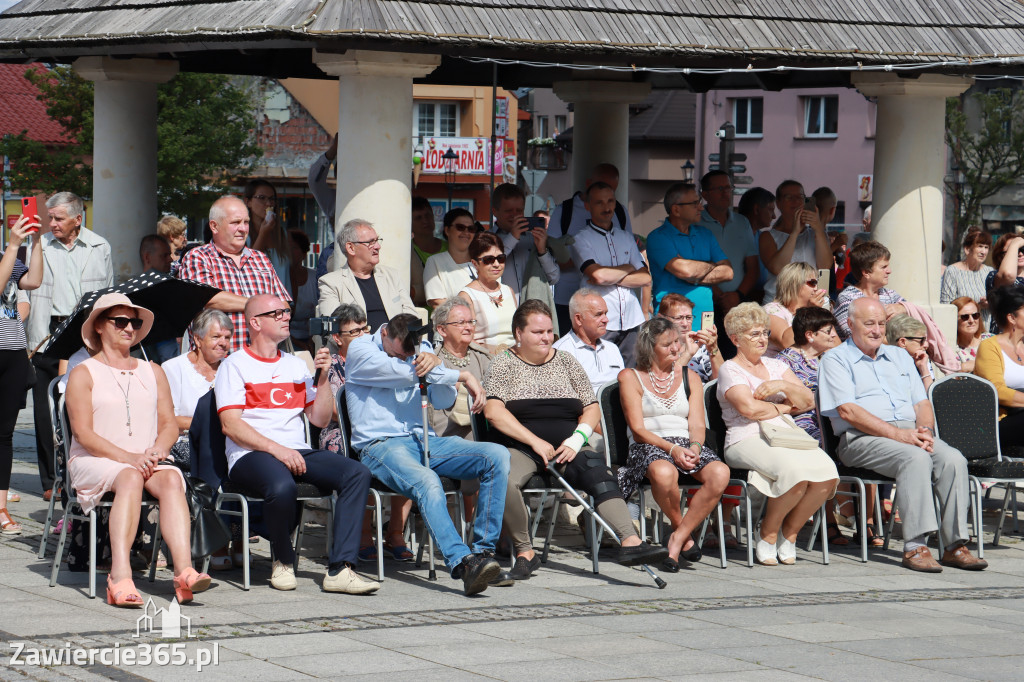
610,262
262,395
568,219
600,359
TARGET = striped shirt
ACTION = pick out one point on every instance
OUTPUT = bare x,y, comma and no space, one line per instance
12,331
254,274
970,283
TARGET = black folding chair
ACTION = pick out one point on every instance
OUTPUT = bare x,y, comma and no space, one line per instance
60,458
616,450
967,418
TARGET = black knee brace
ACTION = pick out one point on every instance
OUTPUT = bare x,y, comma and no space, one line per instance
589,473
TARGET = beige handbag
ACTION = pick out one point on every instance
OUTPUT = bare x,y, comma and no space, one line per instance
786,435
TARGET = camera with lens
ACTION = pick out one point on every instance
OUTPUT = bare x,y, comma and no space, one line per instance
324,326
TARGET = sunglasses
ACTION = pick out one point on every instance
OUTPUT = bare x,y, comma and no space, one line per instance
462,228
123,322
812,283
278,314
970,316
919,339
489,260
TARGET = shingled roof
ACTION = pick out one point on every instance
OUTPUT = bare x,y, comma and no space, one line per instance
276,35
21,110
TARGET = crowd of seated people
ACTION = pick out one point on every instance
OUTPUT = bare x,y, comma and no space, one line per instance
496,349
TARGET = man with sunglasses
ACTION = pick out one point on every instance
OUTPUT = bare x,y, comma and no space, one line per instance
228,264
362,280
685,257
262,395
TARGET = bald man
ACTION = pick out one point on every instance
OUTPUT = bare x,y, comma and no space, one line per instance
874,395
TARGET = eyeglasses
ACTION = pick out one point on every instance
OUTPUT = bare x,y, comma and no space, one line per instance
812,283
370,242
278,314
358,331
760,334
919,339
459,323
696,202
682,318
1020,251
462,228
827,331
123,322
489,260
265,197
970,316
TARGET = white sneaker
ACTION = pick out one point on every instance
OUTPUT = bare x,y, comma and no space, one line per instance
349,582
787,552
765,553
282,577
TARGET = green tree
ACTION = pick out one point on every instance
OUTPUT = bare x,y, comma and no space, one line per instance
205,131
986,138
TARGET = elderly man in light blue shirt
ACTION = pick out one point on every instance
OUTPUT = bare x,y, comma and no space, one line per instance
874,396
382,384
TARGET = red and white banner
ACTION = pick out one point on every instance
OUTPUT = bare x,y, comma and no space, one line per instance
474,155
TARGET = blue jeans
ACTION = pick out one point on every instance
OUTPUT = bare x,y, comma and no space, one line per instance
397,463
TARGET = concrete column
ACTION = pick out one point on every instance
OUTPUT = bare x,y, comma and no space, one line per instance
600,129
375,144
124,152
910,161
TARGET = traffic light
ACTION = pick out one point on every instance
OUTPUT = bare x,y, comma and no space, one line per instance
727,159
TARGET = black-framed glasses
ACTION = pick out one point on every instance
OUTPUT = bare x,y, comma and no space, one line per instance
695,202
969,316
812,283
919,339
489,260
358,331
458,323
278,314
123,322
370,242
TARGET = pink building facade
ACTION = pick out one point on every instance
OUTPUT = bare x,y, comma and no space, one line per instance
819,137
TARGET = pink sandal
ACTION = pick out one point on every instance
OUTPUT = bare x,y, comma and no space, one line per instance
123,594
188,582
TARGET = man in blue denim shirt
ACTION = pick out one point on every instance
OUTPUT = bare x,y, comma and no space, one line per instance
382,384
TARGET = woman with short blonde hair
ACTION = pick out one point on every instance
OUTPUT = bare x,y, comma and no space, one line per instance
796,287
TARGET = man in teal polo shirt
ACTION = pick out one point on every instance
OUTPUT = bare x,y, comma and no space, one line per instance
685,258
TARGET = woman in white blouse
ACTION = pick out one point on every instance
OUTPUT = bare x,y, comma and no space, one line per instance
445,273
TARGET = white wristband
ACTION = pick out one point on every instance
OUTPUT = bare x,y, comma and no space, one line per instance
575,442
587,431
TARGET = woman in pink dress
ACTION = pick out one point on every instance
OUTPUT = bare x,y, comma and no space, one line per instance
123,427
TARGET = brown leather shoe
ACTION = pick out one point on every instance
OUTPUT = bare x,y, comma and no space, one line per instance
47,494
961,557
921,560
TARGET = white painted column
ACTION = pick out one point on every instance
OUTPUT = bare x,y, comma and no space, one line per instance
600,129
375,144
910,161
124,207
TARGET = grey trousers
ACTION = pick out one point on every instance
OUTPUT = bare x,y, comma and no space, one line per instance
917,473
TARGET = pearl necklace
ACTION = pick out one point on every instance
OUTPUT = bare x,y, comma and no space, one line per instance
662,386
452,359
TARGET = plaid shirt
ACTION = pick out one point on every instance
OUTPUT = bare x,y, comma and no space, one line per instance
253,275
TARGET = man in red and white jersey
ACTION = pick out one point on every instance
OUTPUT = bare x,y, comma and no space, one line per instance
262,394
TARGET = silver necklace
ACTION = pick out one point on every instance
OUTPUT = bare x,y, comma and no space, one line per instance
452,358
662,386
125,390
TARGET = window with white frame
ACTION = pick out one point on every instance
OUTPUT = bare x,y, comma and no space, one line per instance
561,122
748,116
821,116
436,119
543,129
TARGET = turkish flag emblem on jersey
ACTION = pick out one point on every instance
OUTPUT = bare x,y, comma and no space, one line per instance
270,396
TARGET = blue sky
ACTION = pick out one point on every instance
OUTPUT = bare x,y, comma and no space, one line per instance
4,4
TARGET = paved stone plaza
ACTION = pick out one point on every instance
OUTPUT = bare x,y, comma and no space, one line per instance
844,621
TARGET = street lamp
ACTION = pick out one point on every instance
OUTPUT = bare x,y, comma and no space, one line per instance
450,157
687,169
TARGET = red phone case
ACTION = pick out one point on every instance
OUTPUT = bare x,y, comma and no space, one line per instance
29,207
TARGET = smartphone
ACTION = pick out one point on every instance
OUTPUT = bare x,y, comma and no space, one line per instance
707,319
534,222
824,278
30,207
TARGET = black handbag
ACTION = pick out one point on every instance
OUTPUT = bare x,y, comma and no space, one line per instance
209,532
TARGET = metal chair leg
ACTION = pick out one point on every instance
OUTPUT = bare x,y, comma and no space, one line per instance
156,548
49,520
824,536
60,546
721,533
551,531
92,553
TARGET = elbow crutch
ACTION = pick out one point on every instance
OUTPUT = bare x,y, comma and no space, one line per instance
604,524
